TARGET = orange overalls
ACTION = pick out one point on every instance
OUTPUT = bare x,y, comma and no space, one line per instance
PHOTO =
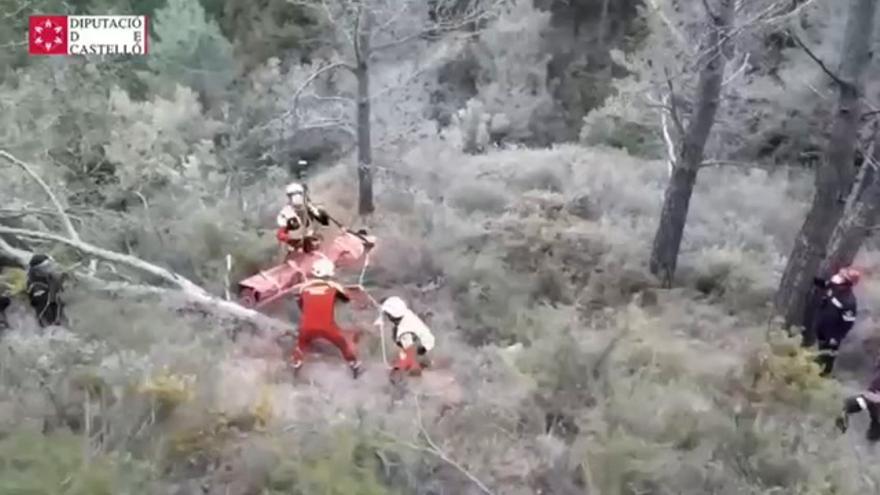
317,301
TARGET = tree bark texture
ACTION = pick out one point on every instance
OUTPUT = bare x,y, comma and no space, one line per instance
835,174
676,201
364,142
859,218
602,31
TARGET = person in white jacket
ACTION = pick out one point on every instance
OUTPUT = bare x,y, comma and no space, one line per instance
410,333
296,220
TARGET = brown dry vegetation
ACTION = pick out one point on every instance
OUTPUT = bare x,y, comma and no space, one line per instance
567,370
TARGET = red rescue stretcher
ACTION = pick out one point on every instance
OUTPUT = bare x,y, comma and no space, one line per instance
348,251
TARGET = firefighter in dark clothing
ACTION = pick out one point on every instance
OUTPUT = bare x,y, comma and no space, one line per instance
44,291
868,400
5,301
835,315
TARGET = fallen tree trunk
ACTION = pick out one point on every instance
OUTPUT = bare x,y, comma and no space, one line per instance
14,256
122,259
186,290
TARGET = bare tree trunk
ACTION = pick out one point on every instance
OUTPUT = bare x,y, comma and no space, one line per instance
365,151
859,217
853,229
676,202
602,31
835,175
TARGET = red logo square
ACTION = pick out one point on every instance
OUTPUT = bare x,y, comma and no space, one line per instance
47,35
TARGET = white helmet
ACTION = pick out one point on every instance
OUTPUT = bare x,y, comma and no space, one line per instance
295,193
323,268
394,307
295,188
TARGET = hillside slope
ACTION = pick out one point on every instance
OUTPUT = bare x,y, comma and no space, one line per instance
570,371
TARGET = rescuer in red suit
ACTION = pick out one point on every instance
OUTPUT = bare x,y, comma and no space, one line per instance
317,302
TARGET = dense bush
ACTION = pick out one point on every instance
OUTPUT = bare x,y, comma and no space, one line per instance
561,366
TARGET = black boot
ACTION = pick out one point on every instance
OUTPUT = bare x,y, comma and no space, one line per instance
873,433
826,361
850,406
356,369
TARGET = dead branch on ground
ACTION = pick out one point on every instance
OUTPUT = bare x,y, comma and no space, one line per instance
184,288
435,450
62,215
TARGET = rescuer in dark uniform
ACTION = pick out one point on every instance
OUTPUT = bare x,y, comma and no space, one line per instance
44,289
835,314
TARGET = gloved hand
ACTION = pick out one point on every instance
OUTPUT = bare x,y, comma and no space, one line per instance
842,422
321,216
358,296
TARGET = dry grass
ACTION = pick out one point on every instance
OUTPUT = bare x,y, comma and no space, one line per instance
568,363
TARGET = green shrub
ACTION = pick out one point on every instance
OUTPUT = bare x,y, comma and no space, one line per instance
780,371
541,178
637,139
344,464
35,464
478,197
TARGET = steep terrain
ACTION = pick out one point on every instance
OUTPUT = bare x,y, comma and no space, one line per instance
529,265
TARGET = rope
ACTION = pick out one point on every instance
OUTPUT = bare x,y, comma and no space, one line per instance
361,283
375,305
361,276
381,328
364,269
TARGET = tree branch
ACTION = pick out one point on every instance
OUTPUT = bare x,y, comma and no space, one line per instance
737,72
326,124
391,20
732,163
209,303
309,80
791,13
357,33
19,256
65,220
679,36
479,14
443,455
818,60
667,138
186,290
435,450
709,11
122,259
673,105
22,7
8,213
